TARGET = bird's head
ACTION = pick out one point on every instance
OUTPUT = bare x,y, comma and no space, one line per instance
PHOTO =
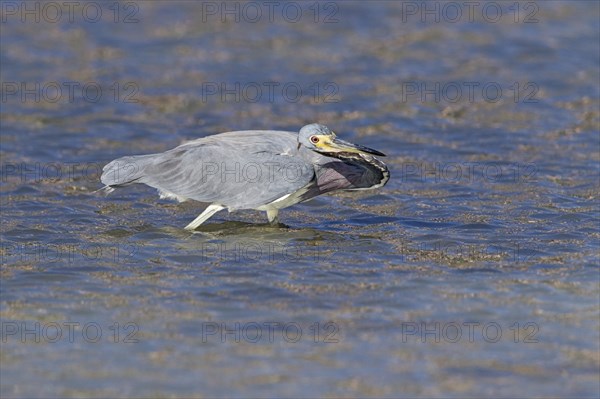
321,139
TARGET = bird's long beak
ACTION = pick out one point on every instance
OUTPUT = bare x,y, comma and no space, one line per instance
337,145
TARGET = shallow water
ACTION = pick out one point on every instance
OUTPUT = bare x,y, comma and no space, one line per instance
474,272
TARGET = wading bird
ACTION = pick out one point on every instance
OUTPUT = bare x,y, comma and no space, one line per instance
265,170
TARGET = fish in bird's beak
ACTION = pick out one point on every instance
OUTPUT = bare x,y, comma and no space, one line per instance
333,144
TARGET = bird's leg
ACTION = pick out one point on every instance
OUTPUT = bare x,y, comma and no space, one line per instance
272,216
204,216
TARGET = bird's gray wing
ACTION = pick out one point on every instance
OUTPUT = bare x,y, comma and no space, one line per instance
240,170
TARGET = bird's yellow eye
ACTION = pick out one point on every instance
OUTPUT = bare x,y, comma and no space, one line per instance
314,139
